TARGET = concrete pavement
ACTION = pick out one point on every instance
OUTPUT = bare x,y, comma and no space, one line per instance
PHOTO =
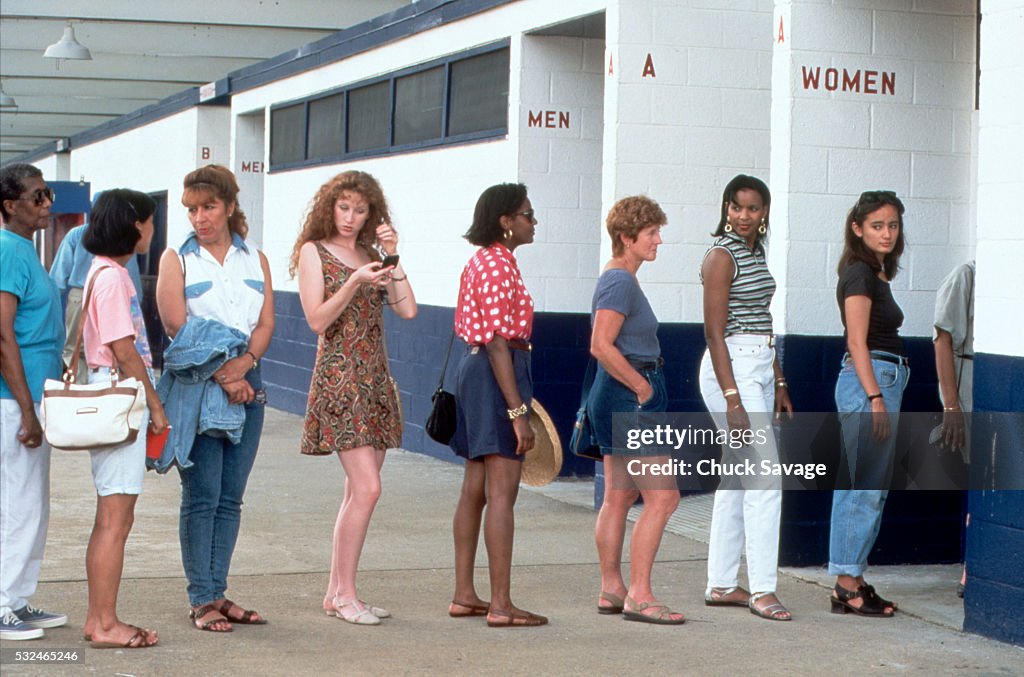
282,558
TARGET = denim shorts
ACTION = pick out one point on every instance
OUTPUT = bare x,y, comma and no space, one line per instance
609,396
482,426
119,469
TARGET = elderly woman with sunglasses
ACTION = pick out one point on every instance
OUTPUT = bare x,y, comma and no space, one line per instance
869,392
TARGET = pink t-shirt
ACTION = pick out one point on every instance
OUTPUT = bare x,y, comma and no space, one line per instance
114,313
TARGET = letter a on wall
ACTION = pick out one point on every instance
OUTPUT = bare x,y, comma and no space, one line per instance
648,68
781,37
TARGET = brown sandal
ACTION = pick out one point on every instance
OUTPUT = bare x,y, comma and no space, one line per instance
199,612
138,640
516,618
460,610
247,618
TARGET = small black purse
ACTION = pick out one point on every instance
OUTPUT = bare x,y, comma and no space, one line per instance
581,442
440,424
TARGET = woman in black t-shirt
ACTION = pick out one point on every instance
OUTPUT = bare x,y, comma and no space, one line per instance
868,394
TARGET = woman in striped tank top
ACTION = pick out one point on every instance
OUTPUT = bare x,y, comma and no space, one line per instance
740,373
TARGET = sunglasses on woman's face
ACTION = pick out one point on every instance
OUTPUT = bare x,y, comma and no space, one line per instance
40,196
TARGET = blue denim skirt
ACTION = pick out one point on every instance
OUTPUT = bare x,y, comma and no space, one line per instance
482,426
609,396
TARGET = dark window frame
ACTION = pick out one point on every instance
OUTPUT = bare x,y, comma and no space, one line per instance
445,139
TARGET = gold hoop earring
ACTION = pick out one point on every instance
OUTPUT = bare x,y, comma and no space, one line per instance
728,226
763,228
508,234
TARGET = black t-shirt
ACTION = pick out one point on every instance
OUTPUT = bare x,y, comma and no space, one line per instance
886,318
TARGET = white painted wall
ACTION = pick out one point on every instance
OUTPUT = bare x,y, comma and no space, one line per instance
432,193
999,308
680,134
830,142
157,157
558,130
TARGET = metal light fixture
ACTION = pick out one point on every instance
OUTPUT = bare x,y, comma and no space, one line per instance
68,47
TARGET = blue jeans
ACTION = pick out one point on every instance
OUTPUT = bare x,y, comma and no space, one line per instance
211,503
857,513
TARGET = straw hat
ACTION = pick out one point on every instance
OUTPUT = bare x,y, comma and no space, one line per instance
544,461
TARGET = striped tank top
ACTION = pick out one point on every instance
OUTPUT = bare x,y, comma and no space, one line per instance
752,287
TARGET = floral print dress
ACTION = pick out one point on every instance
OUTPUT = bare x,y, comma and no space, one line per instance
353,401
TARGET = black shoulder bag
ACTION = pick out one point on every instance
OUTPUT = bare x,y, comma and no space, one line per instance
441,422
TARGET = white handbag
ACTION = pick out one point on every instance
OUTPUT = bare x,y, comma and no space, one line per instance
91,416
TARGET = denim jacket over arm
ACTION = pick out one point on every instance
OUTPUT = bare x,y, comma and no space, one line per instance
194,403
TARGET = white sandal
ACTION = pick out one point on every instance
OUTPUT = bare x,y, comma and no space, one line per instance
378,611
362,615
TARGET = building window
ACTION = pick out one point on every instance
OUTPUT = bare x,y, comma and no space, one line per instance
368,124
419,104
479,94
456,99
288,134
326,136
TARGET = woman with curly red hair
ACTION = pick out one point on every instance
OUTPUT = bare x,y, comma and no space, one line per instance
353,408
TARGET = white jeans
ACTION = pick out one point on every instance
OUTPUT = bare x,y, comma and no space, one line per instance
24,510
740,516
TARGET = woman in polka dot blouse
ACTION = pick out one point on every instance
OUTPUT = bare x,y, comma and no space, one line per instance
494,386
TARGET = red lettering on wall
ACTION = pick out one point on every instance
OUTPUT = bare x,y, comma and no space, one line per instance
204,152
548,119
861,82
254,167
648,68
889,83
611,64
782,32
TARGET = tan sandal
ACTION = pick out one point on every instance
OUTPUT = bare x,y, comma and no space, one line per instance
515,618
662,614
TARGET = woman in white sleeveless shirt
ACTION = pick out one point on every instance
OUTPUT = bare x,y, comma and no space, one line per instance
216,274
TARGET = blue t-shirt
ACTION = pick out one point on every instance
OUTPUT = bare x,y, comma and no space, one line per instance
71,264
618,290
38,325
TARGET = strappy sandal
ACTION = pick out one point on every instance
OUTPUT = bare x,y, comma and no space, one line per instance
869,591
199,612
614,605
247,618
515,618
662,614
460,610
773,612
138,640
361,616
872,604
726,597
378,611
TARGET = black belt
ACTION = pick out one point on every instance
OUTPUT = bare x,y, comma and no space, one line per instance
893,359
965,357
647,366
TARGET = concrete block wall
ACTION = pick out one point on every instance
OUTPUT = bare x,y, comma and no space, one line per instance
558,134
249,161
156,157
687,95
866,96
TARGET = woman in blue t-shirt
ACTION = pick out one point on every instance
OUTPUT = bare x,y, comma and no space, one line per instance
869,391
629,379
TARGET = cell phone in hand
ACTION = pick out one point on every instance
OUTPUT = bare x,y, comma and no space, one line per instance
390,261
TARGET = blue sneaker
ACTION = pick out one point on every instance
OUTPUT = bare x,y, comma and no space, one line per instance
12,627
39,618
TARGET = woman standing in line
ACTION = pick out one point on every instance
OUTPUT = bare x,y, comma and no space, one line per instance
740,374
869,392
494,387
353,408
629,378
120,226
219,281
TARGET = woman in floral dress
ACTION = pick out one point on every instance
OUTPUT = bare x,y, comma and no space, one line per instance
353,407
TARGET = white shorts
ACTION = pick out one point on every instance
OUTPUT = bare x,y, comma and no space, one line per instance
119,469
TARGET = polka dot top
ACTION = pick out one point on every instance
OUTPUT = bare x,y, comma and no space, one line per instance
493,299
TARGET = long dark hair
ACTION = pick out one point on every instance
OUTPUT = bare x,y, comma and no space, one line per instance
495,202
111,230
744,182
854,248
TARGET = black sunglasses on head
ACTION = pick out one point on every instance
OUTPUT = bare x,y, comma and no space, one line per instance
877,196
